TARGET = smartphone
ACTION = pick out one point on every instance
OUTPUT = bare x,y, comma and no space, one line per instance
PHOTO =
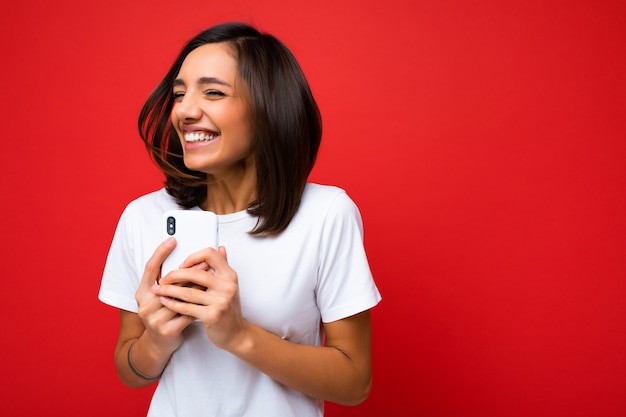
193,230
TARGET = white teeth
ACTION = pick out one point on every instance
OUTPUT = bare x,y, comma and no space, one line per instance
198,137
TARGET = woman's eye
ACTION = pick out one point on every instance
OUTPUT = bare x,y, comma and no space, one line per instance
214,93
178,95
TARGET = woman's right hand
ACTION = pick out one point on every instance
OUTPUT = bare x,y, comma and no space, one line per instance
163,327
154,332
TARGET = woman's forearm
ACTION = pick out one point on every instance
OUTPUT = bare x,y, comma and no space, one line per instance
326,372
138,364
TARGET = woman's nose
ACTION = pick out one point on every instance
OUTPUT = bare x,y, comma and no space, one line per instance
187,108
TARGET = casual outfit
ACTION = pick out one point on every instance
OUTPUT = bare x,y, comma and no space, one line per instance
315,270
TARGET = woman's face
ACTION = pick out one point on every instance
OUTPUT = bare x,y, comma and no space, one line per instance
211,113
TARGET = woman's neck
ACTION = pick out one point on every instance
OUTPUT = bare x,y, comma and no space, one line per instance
232,192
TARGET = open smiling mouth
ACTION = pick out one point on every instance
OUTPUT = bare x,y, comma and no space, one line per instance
199,137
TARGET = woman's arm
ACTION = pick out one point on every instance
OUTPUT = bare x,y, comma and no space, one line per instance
131,330
148,338
340,371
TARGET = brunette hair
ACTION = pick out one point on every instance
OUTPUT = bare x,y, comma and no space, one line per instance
286,126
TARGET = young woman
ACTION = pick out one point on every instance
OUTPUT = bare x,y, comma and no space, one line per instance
276,320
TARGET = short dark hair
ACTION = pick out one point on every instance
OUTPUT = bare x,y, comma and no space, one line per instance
286,126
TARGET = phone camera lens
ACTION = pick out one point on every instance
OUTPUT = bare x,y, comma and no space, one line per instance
171,225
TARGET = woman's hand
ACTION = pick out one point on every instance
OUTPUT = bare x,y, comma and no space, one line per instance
213,297
164,327
340,371
154,333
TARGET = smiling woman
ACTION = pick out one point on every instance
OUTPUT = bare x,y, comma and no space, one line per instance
235,129
284,118
211,116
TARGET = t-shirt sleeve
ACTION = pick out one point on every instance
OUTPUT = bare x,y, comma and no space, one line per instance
121,276
346,286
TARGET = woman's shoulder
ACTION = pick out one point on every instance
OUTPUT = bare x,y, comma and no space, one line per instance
318,192
324,198
156,201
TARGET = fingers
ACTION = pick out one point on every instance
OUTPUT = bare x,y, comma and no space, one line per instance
155,316
216,259
207,307
171,323
148,304
210,295
182,308
152,270
203,265
165,328
215,291
207,298
202,268
222,251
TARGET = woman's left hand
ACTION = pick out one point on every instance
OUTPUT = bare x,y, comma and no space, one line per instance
213,297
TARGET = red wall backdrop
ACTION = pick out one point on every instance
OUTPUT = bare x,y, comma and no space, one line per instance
483,141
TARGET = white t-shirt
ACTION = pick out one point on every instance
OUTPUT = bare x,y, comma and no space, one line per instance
316,270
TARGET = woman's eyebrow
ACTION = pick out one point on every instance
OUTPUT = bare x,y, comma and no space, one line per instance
212,80
202,81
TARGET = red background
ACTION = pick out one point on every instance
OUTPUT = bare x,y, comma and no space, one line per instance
483,141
